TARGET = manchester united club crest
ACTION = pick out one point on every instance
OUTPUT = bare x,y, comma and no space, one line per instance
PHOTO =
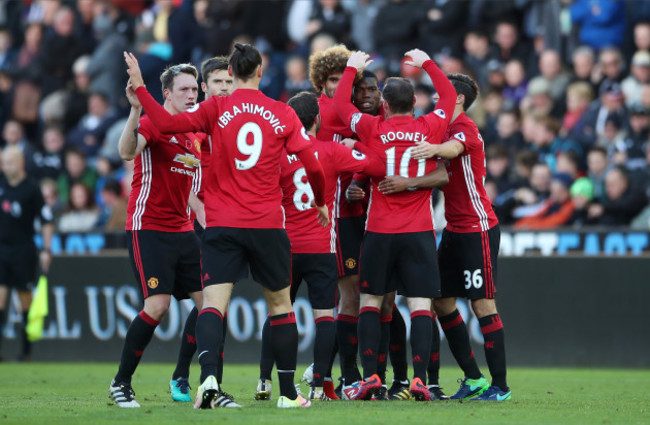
152,282
350,263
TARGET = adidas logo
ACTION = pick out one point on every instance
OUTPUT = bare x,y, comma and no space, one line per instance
368,352
206,277
489,345
173,140
417,359
365,284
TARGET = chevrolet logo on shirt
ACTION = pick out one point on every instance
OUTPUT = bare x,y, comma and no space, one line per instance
188,160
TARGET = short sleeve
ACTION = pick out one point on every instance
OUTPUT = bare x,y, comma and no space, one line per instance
147,130
437,122
346,160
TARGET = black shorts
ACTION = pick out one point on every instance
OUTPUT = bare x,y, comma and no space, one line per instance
18,266
405,262
228,252
468,263
319,271
166,262
349,233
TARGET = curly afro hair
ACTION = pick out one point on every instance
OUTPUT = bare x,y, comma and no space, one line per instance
324,63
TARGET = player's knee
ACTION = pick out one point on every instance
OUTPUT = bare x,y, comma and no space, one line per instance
416,304
444,306
321,313
484,307
156,306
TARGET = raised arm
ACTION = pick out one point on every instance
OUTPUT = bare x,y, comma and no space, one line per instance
192,121
441,83
131,143
358,61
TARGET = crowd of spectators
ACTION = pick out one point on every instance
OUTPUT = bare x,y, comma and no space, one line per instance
564,107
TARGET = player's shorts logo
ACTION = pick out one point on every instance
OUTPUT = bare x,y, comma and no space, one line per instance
152,282
350,263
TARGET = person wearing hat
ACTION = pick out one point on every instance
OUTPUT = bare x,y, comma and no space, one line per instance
538,100
639,75
557,209
582,193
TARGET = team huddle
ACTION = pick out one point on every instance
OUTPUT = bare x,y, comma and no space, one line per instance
335,191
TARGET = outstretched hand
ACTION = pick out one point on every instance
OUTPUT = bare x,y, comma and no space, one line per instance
133,70
418,57
359,60
424,150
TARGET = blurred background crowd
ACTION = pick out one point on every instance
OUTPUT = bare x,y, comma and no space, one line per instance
564,108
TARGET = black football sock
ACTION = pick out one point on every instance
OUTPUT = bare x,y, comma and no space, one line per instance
266,355
221,352
209,328
348,340
383,347
420,342
397,346
27,345
188,347
369,335
284,340
323,342
495,349
433,371
137,338
456,332
335,350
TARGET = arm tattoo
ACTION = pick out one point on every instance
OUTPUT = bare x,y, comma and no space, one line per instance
135,136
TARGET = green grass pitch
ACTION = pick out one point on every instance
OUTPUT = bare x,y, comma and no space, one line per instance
67,393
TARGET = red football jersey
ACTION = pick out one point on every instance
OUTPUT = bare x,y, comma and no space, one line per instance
392,140
249,131
162,179
305,234
332,128
467,206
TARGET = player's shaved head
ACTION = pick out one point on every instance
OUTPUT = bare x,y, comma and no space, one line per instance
306,106
399,94
324,63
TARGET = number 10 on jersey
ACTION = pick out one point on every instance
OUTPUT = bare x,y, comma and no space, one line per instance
404,163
